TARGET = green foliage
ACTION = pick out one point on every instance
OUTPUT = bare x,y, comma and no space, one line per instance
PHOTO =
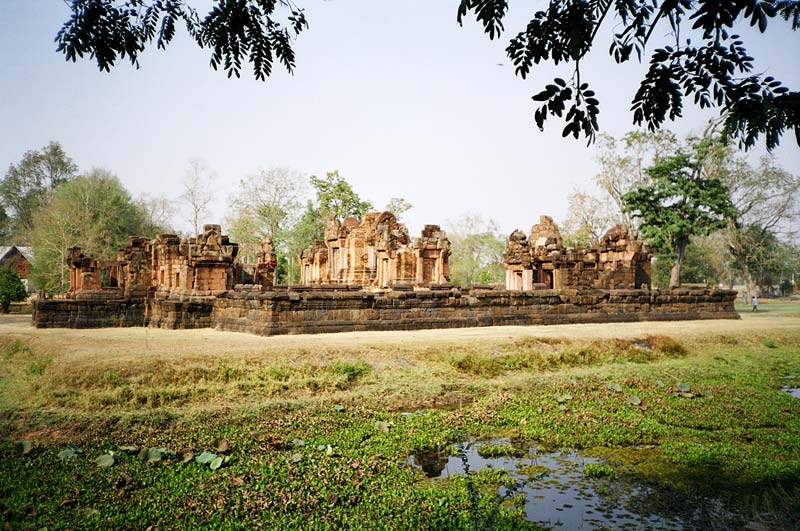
27,186
679,203
11,288
753,104
107,30
94,212
567,31
335,197
476,252
598,470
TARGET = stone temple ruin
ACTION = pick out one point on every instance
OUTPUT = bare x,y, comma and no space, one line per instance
541,261
368,275
376,253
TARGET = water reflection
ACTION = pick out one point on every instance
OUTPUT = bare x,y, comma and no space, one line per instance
558,494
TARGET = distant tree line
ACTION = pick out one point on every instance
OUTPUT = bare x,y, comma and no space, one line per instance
710,215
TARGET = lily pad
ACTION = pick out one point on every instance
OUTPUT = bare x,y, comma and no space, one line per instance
69,452
216,463
105,460
23,447
205,458
635,400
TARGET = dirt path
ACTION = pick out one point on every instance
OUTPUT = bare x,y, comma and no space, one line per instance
210,342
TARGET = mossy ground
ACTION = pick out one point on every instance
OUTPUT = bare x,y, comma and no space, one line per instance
733,430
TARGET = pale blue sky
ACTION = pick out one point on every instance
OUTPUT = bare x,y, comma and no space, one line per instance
394,95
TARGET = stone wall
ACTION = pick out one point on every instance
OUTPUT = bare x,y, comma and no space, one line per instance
302,309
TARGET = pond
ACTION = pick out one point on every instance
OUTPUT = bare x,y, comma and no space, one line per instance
564,490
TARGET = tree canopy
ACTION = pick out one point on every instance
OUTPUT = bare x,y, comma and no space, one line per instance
94,212
11,288
714,70
679,203
27,184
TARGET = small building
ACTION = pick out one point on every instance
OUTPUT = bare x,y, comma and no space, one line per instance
19,259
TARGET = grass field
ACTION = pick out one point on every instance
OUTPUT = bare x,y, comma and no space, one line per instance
318,429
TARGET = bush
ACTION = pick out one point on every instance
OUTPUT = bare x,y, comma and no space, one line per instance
11,289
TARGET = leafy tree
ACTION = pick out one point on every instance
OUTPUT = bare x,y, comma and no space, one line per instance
26,186
108,30
476,251
335,197
11,289
398,206
713,71
268,204
680,203
93,212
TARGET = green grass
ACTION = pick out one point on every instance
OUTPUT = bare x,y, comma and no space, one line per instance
734,431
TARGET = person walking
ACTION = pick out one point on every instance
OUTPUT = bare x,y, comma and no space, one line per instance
755,303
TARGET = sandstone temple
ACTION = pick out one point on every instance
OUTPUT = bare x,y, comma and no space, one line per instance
368,275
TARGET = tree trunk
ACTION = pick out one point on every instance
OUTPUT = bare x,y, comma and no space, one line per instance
5,305
675,272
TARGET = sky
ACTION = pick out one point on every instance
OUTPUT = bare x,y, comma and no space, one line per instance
394,95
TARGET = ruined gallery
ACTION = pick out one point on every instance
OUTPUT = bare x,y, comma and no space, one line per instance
368,275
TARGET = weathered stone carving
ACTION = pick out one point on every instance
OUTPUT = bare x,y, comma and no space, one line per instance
542,262
368,276
202,264
376,253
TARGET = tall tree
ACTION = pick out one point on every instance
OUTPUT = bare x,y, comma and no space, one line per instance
705,60
197,185
588,218
680,202
476,251
766,200
623,162
93,212
159,212
268,203
336,197
27,185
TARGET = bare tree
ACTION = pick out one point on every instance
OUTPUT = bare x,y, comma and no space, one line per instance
588,217
767,204
398,206
197,191
622,165
268,203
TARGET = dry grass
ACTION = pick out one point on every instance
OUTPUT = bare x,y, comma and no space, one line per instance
128,369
